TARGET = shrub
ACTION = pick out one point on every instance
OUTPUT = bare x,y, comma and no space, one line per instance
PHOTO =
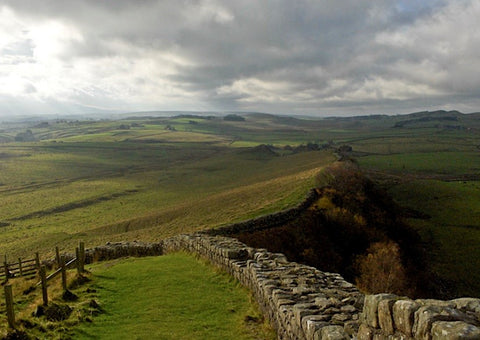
381,269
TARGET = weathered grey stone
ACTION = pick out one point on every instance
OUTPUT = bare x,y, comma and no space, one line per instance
427,315
302,309
359,301
348,309
323,303
279,258
345,284
385,317
349,300
380,336
340,318
333,333
398,336
370,308
438,303
404,315
468,305
444,330
312,323
280,295
351,327
364,332
237,254
282,302
303,289
331,310
316,295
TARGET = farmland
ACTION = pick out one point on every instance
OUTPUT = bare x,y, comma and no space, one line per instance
147,177
99,182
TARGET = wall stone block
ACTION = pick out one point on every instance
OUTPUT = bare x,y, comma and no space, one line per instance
385,316
370,308
404,316
458,330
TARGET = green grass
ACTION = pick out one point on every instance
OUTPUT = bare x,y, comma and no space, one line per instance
422,168
453,231
152,204
170,297
447,163
95,182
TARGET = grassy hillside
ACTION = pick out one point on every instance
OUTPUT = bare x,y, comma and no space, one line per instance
432,168
143,179
450,228
149,177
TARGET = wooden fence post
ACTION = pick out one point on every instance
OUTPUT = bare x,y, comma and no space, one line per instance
57,256
82,256
64,273
44,285
37,260
20,270
77,255
9,304
5,266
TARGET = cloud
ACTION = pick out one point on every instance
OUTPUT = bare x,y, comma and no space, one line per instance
329,57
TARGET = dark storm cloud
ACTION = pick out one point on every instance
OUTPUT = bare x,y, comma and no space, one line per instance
281,56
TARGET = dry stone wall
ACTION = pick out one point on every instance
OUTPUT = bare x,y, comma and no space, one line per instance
304,303
267,221
117,250
300,301
387,316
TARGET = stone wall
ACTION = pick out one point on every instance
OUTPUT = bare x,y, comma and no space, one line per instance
387,316
305,303
300,301
117,250
267,221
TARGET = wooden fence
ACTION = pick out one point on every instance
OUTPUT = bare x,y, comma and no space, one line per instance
33,267
19,268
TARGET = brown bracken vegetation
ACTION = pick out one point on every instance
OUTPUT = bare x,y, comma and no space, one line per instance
354,229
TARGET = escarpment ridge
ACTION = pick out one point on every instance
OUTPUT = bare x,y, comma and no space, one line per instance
303,302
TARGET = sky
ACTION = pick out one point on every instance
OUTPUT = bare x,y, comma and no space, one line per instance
313,57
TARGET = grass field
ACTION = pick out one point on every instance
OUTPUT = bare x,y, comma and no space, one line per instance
453,231
99,181
171,297
146,178
437,163
436,172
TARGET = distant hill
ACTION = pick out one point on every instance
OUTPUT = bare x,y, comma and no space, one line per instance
438,119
